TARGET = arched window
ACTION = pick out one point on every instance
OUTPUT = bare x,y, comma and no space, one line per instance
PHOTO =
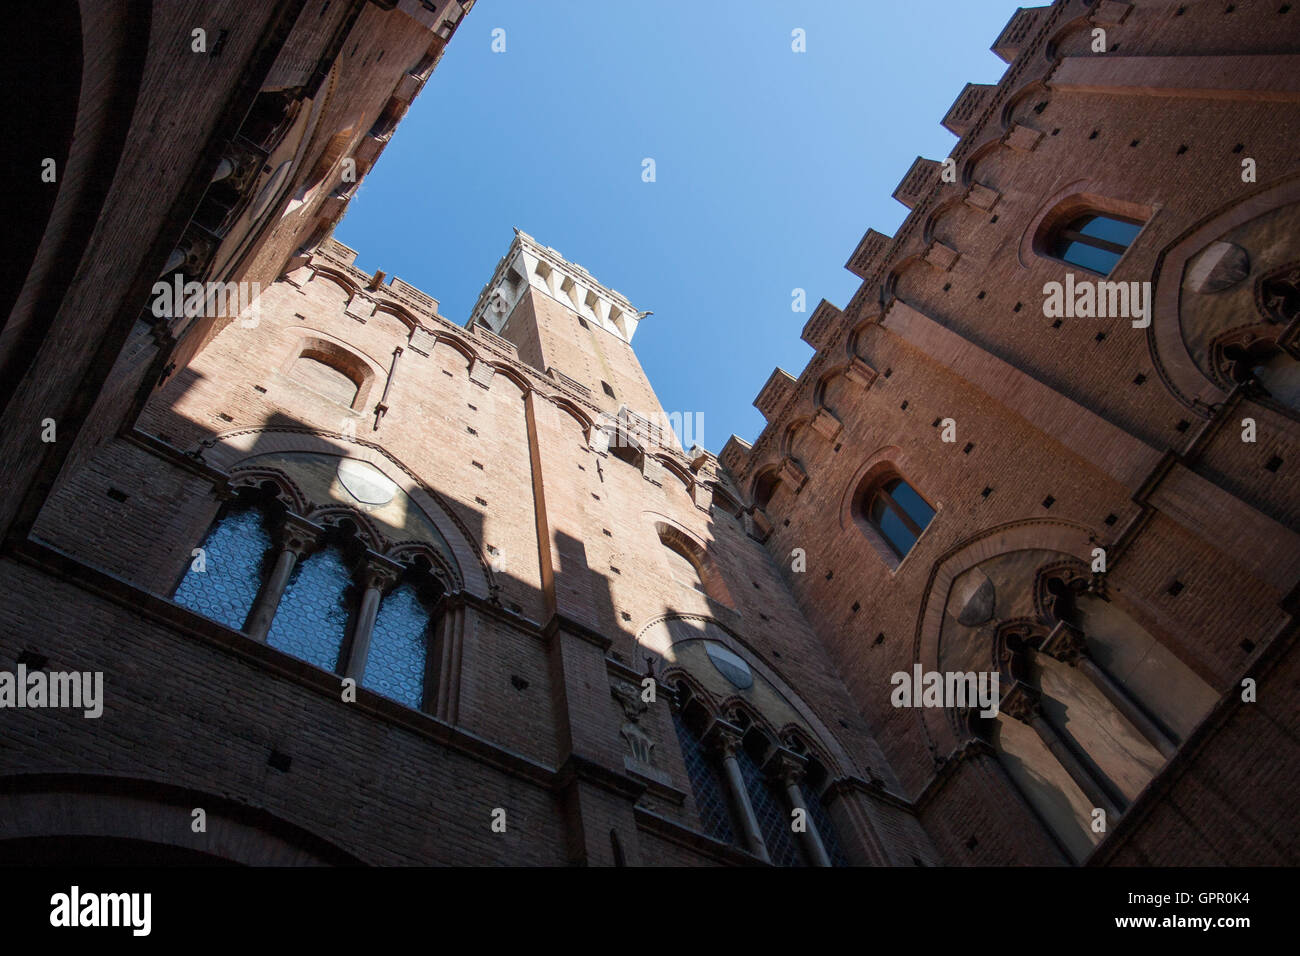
895,511
331,370
222,581
397,663
683,569
316,372
706,783
769,808
813,786
691,565
312,618
315,617
740,774
1093,241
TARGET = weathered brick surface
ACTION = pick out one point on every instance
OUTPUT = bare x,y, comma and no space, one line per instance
1090,433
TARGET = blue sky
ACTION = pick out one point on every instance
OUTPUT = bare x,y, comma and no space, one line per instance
770,164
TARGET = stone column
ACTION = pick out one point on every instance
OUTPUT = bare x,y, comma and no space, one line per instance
294,538
724,739
1022,703
1067,644
788,767
379,574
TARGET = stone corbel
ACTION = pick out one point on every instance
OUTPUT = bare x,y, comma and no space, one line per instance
860,373
792,474
826,424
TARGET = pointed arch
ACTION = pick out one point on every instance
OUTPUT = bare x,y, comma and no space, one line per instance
466,562
657,638
1067,538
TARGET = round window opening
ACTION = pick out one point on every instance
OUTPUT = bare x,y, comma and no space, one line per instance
730,665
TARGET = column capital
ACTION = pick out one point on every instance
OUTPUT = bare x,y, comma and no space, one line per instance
785,765
722,737
1066,643
297,534
1021,703
379,572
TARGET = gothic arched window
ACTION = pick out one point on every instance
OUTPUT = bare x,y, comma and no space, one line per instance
223,579
774,816
1093,241
309,607
706,784
397,662
894,511
312,618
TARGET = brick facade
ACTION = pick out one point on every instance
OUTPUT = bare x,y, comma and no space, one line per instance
580,551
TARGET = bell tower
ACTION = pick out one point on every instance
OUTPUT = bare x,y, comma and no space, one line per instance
568,326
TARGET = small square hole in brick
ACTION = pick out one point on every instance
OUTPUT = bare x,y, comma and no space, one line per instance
1111,519
986,492
1018,306
596,496
607,533
1247,645
972,843
625,615
518,682
470,430
888,372
482,501
1238,148
1139,378
1100,336
947,286
1094,134
1181,150
1273,464
117,495
1136,141
970,446
904,405
880,639
279,761
935,423
1057,324
838,446
615,570
1183,425
981,295
762,616
472,408
259,388
829,575
224,417
479,465
33,661
856,607
1049,501
1175,589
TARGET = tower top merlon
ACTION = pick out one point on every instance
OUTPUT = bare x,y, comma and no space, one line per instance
527,264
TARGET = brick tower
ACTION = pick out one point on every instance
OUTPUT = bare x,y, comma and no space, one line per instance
370,585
